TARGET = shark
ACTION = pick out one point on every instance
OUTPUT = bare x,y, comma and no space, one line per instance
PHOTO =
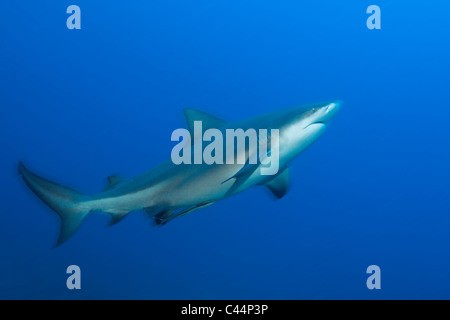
169,190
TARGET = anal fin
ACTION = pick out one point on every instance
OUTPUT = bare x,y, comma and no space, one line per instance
116,218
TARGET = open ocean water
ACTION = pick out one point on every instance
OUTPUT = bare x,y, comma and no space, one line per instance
79,105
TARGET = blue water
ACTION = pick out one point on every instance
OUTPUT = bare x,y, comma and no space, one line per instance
79,105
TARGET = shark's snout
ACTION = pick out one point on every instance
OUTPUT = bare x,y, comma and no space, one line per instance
327,112
320,116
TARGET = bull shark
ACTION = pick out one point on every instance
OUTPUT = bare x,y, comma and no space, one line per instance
168,190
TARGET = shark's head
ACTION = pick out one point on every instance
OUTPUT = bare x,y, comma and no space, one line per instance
300,127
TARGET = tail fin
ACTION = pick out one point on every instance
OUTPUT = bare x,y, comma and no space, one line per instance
66,202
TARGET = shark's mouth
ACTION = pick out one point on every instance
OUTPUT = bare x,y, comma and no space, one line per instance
321,123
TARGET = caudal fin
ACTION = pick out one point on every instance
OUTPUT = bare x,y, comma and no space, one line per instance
67,203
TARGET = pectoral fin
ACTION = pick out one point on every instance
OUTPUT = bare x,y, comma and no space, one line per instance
247,169
165,216
279,185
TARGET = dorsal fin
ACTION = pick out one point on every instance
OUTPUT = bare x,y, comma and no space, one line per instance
279,185
113,181
208,121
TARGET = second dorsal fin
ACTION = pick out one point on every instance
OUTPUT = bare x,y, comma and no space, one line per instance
113,181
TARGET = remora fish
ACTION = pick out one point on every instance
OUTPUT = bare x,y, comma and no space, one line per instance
168,190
